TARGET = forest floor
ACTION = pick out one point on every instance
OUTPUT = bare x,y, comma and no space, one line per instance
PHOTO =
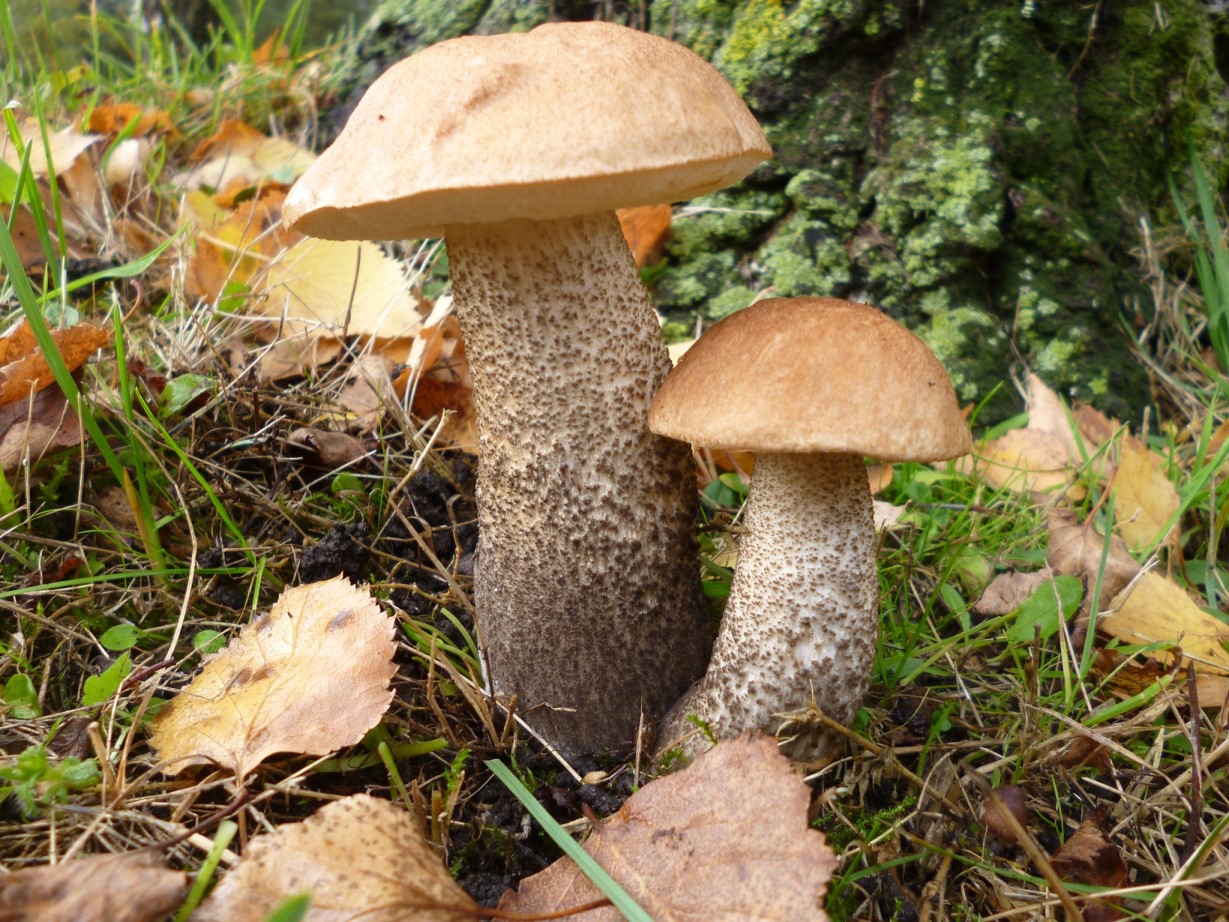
1043,737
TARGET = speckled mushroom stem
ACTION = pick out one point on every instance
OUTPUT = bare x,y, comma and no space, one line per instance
801,621
586,585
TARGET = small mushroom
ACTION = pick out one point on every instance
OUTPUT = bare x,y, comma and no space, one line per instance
518,149
813,385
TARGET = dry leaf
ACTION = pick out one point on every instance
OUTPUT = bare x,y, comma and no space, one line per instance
114,117
1024,460
238,156
65,147
646,229
432,397
993,818
1047,413
24,368
339,288
131,887
369,386
1076,549
232,245
360,858
296,355
1144,498
1154,609
726,838
1088,857
41,425
1007,592
886,515
309,677
325,447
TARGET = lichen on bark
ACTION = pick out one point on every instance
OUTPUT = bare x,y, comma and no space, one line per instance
975,167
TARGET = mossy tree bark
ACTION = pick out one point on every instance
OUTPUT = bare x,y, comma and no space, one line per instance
976,167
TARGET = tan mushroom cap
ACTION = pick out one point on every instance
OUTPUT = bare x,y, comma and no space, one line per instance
567,119
813,375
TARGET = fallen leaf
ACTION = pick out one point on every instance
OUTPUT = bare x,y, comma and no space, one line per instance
325,447
1076,548
338,288
994,819
433,397
361,859
114,117
41,425
1144,499
1026,461
726,838
295,355
646,229
129,887
1047,413
1089,858
1007,592
65,146
239,155
886,515
232,246
309,677
368,388
24,367
1154,609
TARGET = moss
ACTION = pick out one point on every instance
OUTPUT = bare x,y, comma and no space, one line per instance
727,302
967,340
805,257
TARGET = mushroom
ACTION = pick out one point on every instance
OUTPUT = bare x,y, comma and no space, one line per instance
813,386
518,149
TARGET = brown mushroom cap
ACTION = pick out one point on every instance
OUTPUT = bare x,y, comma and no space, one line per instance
813,375
567,119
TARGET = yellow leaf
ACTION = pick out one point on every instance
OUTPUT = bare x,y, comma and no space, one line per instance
339,288
309,677
1025,460
1144,499
1154,609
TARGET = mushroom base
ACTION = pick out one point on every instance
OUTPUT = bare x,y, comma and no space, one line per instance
586,584
801,621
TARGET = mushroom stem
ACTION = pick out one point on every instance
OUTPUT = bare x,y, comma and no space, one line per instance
801,621
586,585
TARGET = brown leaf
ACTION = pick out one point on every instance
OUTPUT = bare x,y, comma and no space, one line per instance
369,386
24,368
114,117
132,887
1154,609
993,818
309,677
1088,857
38,426
361,859
325,447
1076,548
1144,498
646,229
1007,592
727,837
432,397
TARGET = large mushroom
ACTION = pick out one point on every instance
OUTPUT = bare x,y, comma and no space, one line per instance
518,149
813,386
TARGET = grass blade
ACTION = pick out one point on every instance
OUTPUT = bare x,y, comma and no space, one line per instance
619,898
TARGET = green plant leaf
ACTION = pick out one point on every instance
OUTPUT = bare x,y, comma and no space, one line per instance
1061,595
181,391
22,697
100,688
120,637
